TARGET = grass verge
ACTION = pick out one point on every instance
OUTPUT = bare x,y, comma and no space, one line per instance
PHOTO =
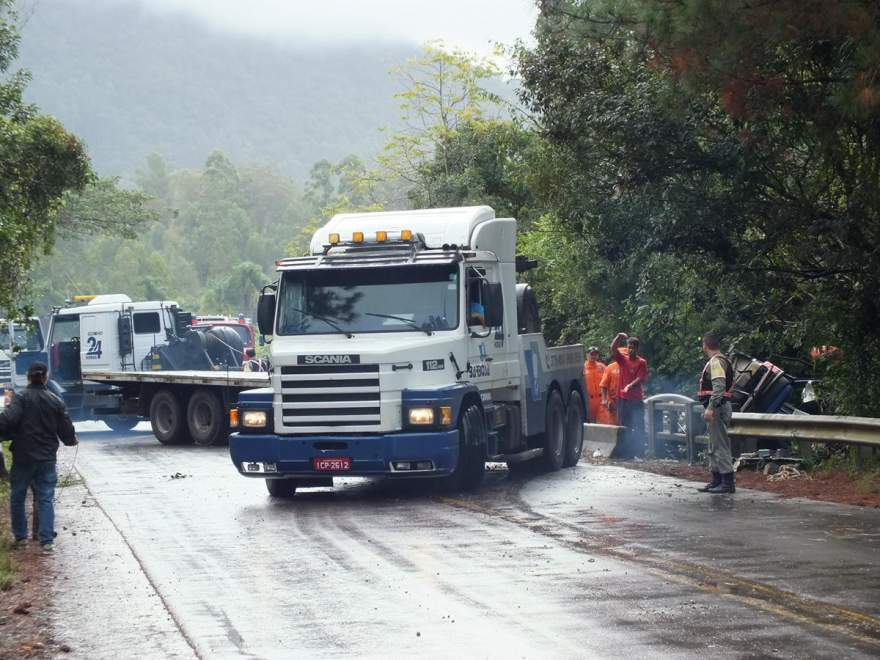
7,567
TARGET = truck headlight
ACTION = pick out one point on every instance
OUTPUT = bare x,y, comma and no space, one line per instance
254,419
421,416
430,416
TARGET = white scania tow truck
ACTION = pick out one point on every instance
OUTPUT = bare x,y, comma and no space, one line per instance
404,347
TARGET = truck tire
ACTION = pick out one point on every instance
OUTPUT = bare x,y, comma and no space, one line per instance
283,488
121,423
167,419
472,437
206,419
554,432
574,430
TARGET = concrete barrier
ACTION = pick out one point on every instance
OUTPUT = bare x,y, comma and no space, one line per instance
600,437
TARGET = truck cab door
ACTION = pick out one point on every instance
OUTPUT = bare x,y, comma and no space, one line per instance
98,349
488,348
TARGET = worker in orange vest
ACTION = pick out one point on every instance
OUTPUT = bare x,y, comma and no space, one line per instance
608,388
593,370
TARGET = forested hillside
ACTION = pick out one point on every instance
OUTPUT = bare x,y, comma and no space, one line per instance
209,239
670,178
130,82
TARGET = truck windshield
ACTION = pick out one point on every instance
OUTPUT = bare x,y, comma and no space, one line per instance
361,300
65,329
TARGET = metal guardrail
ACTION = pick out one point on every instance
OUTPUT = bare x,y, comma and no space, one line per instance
677,418
812,428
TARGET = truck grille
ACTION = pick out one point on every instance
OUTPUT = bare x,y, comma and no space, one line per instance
330,396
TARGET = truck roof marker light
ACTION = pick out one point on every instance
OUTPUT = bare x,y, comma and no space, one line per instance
334,239
381,236
406,234
357,237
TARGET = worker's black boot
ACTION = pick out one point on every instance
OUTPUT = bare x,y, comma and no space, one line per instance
727,485
716,481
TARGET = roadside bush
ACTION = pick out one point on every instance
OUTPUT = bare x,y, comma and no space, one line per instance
7,568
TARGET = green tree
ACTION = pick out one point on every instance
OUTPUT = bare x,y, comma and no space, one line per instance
102,207
237,292
722,154
39,162
197,240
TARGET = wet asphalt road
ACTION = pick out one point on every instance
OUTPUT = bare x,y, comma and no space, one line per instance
597,562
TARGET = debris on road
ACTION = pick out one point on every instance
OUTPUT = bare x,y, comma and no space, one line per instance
788,472
23,608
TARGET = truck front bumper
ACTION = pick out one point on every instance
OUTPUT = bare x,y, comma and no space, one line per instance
293,456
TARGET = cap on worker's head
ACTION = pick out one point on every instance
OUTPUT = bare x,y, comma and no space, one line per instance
37,369
592,349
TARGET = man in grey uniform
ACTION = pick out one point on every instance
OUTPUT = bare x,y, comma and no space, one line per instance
716,382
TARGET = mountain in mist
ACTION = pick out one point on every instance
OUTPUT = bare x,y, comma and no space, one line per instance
131,82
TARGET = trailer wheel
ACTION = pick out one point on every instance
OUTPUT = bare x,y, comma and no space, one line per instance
206,419
284,488
574,430
167,419
554,432
471,466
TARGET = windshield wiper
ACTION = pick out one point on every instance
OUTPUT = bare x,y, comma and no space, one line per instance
332,324
424,328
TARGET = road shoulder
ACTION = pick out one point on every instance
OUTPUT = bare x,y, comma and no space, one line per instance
836,486
103,604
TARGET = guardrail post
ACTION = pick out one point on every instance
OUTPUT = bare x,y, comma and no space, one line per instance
652,429
690,433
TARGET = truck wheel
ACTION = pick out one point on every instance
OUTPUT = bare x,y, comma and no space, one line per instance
285,488
206,419
471,466
167,419
554,432
574,430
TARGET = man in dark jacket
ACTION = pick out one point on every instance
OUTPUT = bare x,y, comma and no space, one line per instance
35,420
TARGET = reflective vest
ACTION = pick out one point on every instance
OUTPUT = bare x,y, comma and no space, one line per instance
705,392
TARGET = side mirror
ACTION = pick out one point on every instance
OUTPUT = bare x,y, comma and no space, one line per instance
250,353
266,313
261,340
493,302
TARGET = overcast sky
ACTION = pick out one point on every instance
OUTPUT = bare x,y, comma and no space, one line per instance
469,24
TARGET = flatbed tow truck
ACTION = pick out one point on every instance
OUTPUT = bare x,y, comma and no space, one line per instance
119,361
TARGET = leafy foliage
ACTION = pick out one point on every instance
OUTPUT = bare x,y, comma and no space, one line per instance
207,238
39,163
721,154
